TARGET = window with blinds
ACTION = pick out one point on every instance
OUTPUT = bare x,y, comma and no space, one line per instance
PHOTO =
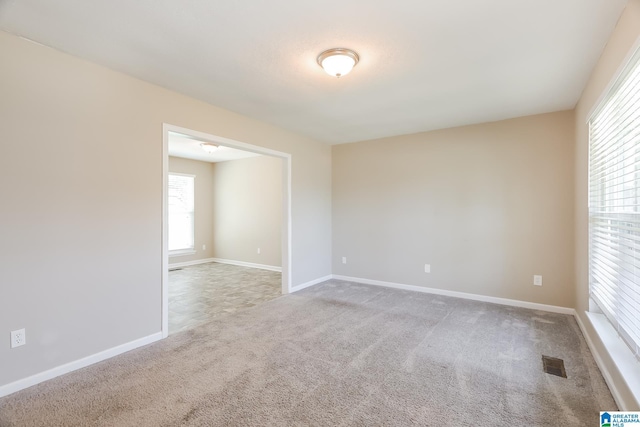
614,205
181,212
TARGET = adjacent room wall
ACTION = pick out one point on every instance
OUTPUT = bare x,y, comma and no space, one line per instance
238,209
247,203
625,35
487,206
203,203
81,188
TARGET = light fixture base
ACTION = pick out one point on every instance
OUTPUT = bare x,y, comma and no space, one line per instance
209,147
338,68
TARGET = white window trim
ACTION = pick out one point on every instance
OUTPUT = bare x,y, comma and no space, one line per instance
625,362
619,353
181,252
606,214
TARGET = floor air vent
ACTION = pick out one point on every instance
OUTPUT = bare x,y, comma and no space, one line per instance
554,366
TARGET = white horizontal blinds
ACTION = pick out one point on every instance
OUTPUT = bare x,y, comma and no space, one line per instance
181,212
614,205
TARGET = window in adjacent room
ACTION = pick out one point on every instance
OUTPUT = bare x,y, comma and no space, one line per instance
181,214
614,205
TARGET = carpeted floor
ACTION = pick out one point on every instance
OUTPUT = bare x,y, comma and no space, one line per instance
337,354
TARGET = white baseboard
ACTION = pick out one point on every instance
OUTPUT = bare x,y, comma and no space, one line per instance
247,264
311,283
475,297
75,365
189,263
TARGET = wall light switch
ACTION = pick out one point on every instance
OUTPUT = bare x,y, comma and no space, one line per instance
344,259
537,280
258,251
204,247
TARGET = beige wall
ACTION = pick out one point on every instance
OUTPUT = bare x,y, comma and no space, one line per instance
487,206
203,203
247,202
81,222
623,38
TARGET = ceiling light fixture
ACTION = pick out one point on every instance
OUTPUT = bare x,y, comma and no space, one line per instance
209,147
338,62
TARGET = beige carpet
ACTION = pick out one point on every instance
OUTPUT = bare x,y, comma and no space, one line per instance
337,354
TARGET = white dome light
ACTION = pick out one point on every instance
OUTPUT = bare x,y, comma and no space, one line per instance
209,147
338,62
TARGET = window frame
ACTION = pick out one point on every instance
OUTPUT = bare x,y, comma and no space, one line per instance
627,69
189,250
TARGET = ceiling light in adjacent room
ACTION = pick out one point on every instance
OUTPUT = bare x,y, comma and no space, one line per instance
209,147
338,62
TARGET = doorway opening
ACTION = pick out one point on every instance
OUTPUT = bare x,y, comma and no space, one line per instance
181,182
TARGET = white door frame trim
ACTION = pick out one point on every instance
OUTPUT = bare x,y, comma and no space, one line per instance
286,207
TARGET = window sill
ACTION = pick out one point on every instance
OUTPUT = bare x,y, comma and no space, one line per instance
181,252
621,355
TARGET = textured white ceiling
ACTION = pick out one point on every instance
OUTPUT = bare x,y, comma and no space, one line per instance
189,148
425,64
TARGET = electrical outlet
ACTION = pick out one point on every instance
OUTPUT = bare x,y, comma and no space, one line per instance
18,338
258,251
427,268
344,259
537,280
